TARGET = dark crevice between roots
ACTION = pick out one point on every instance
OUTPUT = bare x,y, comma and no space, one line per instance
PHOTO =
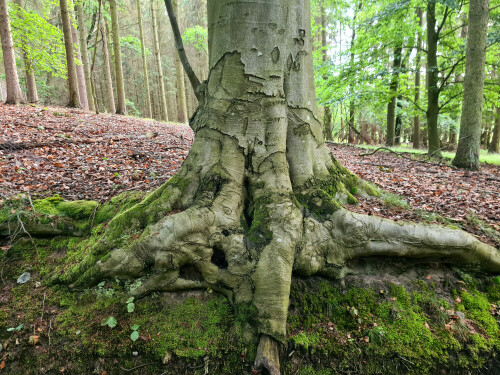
219,259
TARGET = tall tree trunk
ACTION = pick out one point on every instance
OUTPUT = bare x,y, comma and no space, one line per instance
257,198
107,70
121,107
74,97
391,107
28,69
85,56
80,74
144,64
179,73
14,93
416,119
469,142
432,82
324,46
163,98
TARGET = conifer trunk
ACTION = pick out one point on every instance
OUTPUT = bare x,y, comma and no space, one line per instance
180,85
74,97
144,64
80,74
163,98
108,71
85,56
121,107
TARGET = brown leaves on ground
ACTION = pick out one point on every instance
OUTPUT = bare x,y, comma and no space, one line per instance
81,155
470,200
89,157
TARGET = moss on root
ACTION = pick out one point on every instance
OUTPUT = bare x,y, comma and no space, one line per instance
331,328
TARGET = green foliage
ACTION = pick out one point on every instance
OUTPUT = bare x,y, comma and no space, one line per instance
196,37
42,42
134,44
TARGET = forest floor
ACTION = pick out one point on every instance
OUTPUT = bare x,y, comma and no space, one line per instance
81,155
365,323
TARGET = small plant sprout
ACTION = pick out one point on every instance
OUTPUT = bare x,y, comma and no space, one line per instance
135,333
111,322
130,305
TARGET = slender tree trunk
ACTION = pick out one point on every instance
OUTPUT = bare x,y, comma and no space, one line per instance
85,56
432,82
469,142
14,93
144,64
163,99
121,107
181,88
74,97
107,70
391,107
80,74
324,46
416,119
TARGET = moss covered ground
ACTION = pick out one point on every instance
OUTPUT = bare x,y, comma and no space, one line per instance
397,318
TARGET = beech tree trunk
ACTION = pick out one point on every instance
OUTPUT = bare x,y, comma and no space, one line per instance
107,70
144,64
121,107
14,93
85,56
74,97
469,141
80,74
495,140
260,195
163,98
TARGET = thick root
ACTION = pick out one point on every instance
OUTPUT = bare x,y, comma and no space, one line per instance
267,360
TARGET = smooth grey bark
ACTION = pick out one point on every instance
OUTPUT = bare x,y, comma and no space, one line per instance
163,98
495,140
469,142
391,107
259,188
121,107
85,57
14,93
80,74
144,64
108,71
74,96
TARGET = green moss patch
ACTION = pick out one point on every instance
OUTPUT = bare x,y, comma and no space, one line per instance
365,330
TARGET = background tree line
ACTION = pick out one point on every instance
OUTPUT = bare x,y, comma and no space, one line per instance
387,71
393,71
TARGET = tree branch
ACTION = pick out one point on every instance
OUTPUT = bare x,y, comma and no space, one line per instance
195,82
445,16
